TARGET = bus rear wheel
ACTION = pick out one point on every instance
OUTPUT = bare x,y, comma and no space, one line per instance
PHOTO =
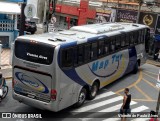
81,98
93,91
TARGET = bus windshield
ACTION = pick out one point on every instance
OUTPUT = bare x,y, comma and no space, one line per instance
34,52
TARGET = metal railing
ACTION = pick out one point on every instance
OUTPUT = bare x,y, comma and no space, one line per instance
6,25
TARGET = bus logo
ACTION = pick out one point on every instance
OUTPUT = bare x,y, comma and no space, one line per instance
31,82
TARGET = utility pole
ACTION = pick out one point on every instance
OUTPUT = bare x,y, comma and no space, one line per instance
139,10
22,20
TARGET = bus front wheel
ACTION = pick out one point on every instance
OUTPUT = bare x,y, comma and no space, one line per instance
93,91
81,98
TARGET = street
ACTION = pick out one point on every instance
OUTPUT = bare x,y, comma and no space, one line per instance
109,99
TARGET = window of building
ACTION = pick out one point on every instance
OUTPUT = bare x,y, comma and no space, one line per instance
67,55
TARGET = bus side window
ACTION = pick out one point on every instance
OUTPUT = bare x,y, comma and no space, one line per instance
136,34
94,50
127,40
75,51
107,46
118,43
131,39
142,36
139,37
101,48
113,45
87,53
67,59
80,54
123,39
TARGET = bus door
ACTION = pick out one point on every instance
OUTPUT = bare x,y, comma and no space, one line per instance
147,39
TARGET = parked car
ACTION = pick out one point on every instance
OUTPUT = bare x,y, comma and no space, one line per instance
30,27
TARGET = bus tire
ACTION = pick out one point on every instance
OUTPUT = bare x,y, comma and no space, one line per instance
93,91
81,98
135,70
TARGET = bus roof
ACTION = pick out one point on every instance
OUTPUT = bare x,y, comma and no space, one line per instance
81,34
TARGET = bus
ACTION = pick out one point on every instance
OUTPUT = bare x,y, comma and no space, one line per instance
53,71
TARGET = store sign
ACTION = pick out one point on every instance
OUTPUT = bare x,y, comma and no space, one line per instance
127,16
102,15
148,19
158,26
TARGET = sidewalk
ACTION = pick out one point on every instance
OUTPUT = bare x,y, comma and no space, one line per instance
152,62
6,68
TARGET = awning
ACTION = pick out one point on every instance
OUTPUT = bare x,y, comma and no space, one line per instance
9,8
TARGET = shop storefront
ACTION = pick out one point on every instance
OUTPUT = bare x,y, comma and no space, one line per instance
8,23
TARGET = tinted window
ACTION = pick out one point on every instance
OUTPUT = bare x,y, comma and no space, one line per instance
67,55
101,48
94,50
87,55
34,52
80,54
131,39
127,39
123,40
118,43
113,43
139,37
107,46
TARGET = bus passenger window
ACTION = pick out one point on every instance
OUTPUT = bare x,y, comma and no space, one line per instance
87,53
142,36
113,45
101,48
131,39
123,41
139,37
107,46
94,51
136,34
118,43
127,40
67,55
80,54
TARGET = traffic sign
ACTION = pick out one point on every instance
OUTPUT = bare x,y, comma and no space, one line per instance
30,11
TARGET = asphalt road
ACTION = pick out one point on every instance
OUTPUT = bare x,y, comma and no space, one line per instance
142,87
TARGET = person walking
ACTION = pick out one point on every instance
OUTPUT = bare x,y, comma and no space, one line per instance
125,109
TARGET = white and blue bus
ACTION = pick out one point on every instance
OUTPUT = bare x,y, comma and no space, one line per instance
53,71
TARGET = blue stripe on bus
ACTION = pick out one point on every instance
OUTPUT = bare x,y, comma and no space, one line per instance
132,59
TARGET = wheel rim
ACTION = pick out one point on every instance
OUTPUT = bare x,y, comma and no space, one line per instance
94,90
82,97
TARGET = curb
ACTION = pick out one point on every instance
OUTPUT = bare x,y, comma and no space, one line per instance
8,77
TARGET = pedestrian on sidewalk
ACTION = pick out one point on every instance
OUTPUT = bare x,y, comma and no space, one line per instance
125,109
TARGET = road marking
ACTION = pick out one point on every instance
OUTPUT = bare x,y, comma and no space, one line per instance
103,95
139,79
141,119
139,109
112,119
151,72
116,107
110,109
143,93
99,104
150,76
144,100
151,84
